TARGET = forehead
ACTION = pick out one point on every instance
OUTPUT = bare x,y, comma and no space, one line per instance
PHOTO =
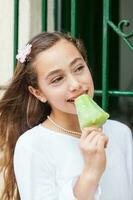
59,55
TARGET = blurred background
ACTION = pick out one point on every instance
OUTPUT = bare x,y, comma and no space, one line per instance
22,19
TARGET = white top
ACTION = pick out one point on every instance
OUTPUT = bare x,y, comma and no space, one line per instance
47,164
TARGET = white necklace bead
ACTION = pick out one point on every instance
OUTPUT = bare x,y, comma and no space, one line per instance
63,129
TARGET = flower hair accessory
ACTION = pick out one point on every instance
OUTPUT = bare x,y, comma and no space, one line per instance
22,55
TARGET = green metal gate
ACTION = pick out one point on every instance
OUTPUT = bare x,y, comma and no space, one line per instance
71,23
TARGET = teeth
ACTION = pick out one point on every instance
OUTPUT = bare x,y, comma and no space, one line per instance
72,100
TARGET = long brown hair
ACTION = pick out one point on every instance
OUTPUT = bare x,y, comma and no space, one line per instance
20,110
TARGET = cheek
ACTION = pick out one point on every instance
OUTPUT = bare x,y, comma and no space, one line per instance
89,81
88,78
58,102
55,96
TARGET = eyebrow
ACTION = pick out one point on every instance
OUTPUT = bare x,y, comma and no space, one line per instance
59,70
75,60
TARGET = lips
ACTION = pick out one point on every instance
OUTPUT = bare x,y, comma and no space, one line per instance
72,98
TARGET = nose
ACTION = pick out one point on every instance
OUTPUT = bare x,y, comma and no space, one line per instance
74,84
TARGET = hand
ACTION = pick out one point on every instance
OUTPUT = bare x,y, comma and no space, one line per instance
92,144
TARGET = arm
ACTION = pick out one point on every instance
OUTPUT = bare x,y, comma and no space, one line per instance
86,186
92,144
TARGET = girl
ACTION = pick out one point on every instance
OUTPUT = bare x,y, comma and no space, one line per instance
45,155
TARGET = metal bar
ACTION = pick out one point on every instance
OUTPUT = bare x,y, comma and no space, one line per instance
55,13
44,15
105,55
73,17
16,30
58,14
115,93
122,34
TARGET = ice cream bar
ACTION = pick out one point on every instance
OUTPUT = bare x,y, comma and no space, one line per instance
89,113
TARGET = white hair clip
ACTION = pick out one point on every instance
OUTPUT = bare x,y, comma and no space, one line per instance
22,55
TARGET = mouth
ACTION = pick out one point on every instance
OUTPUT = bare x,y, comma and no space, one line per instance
72,99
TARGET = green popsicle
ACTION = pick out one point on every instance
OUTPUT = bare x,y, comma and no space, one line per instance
89,113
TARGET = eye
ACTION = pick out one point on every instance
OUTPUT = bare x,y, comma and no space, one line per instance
57,79
79,68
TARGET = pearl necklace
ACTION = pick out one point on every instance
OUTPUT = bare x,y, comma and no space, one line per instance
63,129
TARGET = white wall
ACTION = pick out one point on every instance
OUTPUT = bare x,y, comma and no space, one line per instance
126,55
29,25
6,40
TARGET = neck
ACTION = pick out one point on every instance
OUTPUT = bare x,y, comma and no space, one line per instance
62,129
68,121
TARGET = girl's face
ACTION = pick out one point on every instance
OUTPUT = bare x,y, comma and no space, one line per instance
62,76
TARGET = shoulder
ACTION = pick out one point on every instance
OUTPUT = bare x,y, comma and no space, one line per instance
117,127
118,131
35,138
29,136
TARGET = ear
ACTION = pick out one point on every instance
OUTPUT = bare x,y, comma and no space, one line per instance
37,93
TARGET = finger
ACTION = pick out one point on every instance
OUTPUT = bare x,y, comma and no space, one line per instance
94,133
95,139
92,136
102,142
87,131
100,129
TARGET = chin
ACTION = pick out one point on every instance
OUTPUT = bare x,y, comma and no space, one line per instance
68,109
